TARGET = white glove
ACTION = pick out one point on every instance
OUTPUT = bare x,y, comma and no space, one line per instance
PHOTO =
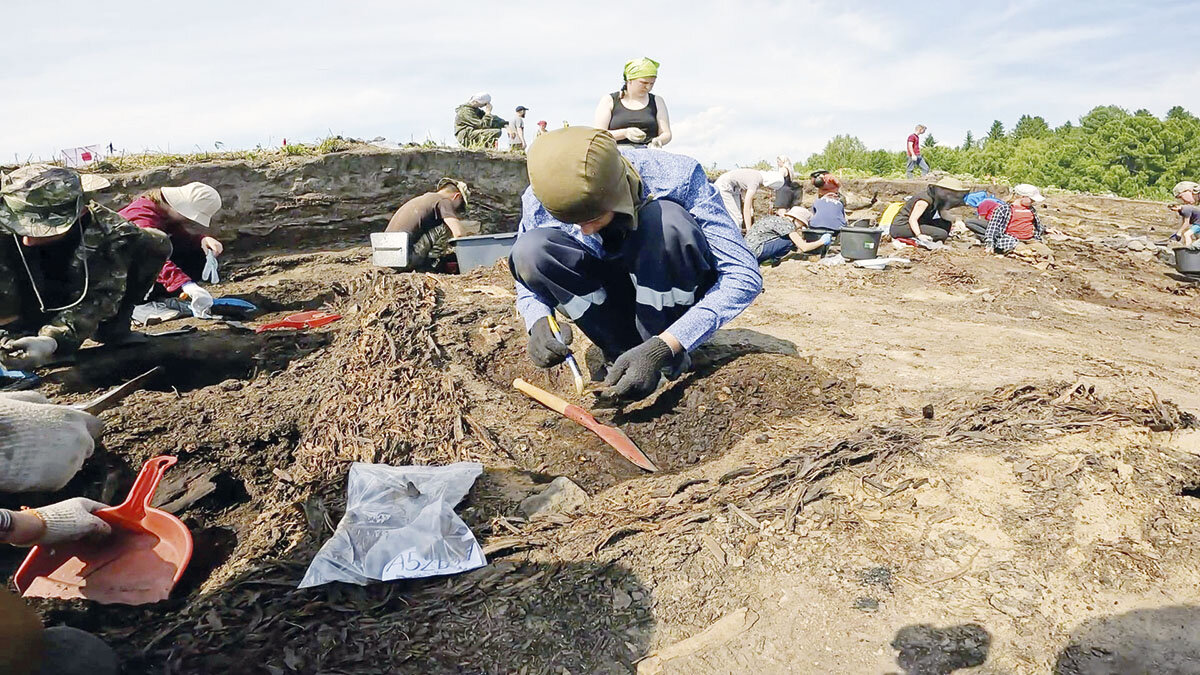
656,143
202,300
42,445
925,238
28,352
72,520
210,269
635,135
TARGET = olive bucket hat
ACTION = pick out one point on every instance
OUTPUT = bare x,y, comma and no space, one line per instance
578,174
461,186
40,200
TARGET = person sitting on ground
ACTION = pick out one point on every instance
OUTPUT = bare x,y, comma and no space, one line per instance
792,191
633,115
737,189
1189,211
829,211
923,216
431,221
516,130
70,269
1009,224
912,148
177,212
475,126
41,448
773,237
634,247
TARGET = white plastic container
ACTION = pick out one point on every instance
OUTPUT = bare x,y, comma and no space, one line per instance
389,249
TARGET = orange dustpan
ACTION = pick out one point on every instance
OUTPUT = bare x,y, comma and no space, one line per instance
140,562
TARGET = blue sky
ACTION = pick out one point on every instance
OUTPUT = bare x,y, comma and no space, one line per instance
744,81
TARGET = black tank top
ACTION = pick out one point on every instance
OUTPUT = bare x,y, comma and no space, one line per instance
645,119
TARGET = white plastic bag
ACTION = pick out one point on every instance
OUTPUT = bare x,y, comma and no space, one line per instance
400,524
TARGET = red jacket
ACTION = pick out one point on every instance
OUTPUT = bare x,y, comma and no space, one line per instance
144,212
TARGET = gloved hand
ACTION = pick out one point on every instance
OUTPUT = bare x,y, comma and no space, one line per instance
656,143
925,238
72,520
635,135
44,445
211,267
825,239
28,352
202,300
546,350
635,374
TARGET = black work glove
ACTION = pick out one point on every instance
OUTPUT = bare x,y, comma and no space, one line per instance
545,349
635,374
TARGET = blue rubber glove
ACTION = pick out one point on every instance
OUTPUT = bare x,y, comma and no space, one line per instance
825,239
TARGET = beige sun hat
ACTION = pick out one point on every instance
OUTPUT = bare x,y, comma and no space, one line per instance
800,213
195,201
1027,190
952,183
1185,186
93,182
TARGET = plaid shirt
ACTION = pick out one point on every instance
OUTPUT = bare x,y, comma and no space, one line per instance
997,239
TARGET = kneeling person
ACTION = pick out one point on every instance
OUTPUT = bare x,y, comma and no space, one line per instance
70,269
772,237
635,247
431,221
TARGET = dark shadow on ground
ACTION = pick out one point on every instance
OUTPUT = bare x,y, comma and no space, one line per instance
925,650
503,618
1163,641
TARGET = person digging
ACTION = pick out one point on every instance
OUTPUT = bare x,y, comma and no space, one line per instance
636,248
431,221
70,269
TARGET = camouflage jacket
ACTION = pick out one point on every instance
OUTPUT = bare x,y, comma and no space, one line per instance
468,118
85,274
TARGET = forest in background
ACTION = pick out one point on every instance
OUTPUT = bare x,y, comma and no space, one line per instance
1109,150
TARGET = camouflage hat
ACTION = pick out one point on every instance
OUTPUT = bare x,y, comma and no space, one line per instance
462,189
41,200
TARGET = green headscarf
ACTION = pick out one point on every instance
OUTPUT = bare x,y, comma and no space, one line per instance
642,67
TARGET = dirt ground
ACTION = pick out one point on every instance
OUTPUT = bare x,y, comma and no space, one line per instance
964,463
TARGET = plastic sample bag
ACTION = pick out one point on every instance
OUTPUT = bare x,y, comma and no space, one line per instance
400,524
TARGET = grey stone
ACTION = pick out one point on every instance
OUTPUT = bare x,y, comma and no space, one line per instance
560,496
70,651
1136,245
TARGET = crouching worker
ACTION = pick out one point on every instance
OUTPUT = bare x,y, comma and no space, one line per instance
42,446
923,215
1009,224
635,247
1189,212
177,212
69,269
431,221
772,237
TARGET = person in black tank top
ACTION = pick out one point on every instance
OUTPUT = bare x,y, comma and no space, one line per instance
631,124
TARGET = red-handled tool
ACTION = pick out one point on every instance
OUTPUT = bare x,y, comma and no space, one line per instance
611,435
310,319
140,562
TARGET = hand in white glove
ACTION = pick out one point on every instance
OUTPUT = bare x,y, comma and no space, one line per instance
72,520
656,143
202,300
43,445
28,352
635,135
925,238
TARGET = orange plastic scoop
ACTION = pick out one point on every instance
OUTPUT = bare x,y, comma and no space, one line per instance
139,563
310,319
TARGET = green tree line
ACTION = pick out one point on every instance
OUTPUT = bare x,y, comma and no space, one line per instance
1108,150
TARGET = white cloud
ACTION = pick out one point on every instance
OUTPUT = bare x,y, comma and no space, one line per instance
744,81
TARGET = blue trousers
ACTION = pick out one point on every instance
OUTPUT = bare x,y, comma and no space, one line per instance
916,162
656,274
776,248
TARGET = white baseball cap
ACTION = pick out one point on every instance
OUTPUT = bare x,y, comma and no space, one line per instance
195,201
1027,190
